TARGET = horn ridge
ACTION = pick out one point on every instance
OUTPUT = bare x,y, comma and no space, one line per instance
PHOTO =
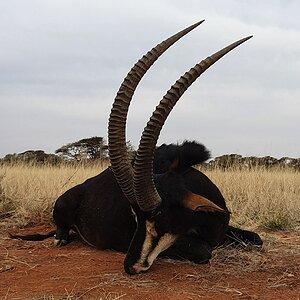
143,166
119,157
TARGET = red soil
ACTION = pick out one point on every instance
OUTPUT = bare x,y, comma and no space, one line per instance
39,270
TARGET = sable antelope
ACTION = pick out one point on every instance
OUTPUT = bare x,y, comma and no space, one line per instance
160,205
167,207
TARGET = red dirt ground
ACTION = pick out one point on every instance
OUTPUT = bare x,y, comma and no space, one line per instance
39,270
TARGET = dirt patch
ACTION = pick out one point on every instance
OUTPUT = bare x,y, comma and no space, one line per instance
39,270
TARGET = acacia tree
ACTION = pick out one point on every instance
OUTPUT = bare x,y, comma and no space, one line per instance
88,148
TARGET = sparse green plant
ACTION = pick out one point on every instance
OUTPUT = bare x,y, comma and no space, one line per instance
277,223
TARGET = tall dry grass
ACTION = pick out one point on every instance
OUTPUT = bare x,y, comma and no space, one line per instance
260,196
28,192
257,197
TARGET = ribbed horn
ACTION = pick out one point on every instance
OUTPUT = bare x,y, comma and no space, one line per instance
118,153
146,194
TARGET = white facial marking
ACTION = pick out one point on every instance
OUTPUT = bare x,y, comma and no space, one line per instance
147,243
150,227
147,256
134,214
166,241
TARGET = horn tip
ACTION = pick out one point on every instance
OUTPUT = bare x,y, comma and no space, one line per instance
200,22
244,39
196,24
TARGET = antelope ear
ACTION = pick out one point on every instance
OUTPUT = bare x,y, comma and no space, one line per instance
196,202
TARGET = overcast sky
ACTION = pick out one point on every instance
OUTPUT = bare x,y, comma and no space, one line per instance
62,62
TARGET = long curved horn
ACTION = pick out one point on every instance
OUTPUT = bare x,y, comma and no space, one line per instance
146,194
118,153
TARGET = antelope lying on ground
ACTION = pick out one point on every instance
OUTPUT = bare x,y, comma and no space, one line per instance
158,204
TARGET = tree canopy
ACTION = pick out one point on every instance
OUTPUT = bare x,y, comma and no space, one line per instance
87,148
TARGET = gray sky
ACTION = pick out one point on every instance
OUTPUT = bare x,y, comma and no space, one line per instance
62,62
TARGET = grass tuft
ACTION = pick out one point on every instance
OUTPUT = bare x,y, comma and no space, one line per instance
279,223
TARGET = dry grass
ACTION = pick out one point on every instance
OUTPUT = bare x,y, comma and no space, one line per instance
28,192
260,196
257,197
104,295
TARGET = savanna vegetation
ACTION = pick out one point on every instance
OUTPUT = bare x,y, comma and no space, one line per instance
257,196
260,191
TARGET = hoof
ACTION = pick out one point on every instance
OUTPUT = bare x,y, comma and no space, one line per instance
258,241
60,243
